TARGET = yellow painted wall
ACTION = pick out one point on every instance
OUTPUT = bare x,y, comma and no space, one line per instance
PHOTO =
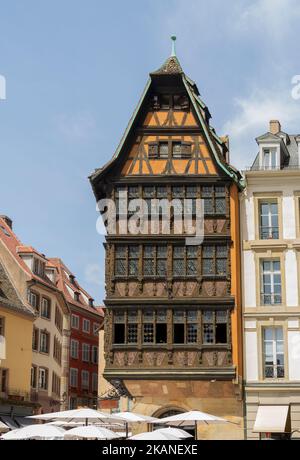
236,280
18,335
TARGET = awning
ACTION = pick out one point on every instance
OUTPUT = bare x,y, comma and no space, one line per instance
272,419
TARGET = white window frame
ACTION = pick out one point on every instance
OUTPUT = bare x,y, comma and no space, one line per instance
32,295
269,216
34,375
272,153
86,322
45,299
86,352
43,377
73,317
272,274
74,349
275,353
44,334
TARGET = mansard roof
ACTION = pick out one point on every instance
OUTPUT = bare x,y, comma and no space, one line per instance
9,297
171,69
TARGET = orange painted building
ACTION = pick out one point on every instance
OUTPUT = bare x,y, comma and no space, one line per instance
173,308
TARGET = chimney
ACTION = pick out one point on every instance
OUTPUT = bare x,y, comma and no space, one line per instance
275,126
8,221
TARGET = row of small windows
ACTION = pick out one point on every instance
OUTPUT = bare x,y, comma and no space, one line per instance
170,101
88,354
86,325
85,380
187,327
213,196
175,149
152,260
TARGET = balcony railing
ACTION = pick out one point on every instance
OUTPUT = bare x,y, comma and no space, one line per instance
271,299
269,233
272,168
274,371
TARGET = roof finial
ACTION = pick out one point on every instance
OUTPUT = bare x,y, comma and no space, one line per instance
173,38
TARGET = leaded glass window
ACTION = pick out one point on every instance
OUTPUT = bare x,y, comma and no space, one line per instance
148,333
208,260
221,260
192,326
155,260
133,260
132,333
208,327
163,150
214,260
178,261
162,192
192,333
133,194
191,199
192,257
149,262
220,199
120,261
214,199
207,196
161,261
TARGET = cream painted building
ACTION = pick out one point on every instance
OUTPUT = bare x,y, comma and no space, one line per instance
35,281
270,226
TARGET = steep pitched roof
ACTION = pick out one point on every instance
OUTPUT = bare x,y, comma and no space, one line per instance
172,67
67,283
16,248
9,297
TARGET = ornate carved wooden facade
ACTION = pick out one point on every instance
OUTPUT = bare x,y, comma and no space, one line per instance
172,309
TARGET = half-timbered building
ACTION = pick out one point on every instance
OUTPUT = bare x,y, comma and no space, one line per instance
173,316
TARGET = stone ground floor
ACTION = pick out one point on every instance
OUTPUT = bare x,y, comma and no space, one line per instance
161,398
284,395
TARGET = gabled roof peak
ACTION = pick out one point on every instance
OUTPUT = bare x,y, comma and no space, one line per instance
172,65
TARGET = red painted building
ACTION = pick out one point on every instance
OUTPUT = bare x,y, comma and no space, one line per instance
86,321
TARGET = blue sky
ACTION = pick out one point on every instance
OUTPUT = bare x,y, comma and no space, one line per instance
75,70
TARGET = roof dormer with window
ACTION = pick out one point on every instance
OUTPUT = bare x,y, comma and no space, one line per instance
273,152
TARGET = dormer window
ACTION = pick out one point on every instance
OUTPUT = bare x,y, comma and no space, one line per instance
270,158
76,296
178,102
91,302
72,278
38,267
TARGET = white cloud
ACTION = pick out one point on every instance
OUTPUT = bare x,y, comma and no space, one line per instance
272,17
94,275
251,119
76,126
